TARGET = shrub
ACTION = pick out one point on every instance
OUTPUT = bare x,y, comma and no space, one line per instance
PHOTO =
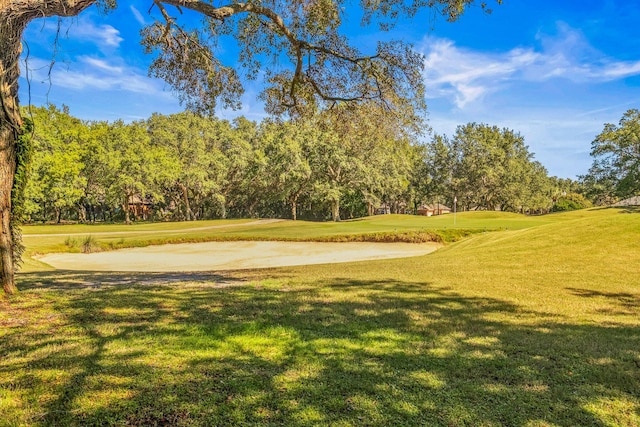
71,242
90,244
571,202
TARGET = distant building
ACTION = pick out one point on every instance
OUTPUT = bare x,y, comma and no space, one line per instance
140,208
431,210
384,209
388,208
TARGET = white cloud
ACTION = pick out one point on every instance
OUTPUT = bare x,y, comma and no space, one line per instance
465,76
101,64
103,35
78,30
137,15
94,74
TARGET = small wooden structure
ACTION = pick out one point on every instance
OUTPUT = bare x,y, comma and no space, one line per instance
140,208
431,210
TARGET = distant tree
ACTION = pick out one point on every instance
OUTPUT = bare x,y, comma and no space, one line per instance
97,156
362,149
335,167
490,166
436,177
287,146
136,166
390,160
571,202
243,161
193,143
538,185
616,153
324,68
55,180
599,186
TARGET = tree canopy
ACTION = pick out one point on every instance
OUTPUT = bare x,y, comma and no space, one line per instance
615,172
337,165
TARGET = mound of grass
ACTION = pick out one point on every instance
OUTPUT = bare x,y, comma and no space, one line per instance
383,228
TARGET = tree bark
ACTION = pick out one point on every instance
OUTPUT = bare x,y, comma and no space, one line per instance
14,17
187,206
125,208
7,172
10,125
294,208
335,210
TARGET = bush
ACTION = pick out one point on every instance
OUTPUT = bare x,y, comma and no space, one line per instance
571,202
90,244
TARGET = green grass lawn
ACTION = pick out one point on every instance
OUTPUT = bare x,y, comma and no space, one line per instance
534,325
69,238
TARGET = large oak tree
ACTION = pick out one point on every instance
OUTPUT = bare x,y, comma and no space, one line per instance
616,159
324,66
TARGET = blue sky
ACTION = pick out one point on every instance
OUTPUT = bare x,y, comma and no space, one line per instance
555,71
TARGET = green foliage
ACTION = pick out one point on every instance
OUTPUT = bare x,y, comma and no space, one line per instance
484,168
55,182
323,68
571,202
615,172
24,154
342,163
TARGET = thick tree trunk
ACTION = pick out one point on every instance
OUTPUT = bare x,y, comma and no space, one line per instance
10,125
82,212
187,206
7,172
335,210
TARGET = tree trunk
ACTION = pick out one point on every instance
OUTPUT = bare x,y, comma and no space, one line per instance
187,205
335,210
10,126
7,172
82,212
125,208
294,208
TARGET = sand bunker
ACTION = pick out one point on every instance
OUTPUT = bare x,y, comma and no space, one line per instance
232,256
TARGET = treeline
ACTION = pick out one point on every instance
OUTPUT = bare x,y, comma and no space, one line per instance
344,163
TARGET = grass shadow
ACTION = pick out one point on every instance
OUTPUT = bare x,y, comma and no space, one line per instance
335,352
75,280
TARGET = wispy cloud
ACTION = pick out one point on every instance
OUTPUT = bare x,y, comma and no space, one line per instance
94,74
78,30
137,15
103,35
464,75
101,64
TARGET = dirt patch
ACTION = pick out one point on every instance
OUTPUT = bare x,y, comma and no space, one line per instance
233,256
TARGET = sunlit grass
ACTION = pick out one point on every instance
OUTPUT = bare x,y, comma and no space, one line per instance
384,228
537,326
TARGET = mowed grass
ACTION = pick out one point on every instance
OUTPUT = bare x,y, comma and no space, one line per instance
528,326
41,239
